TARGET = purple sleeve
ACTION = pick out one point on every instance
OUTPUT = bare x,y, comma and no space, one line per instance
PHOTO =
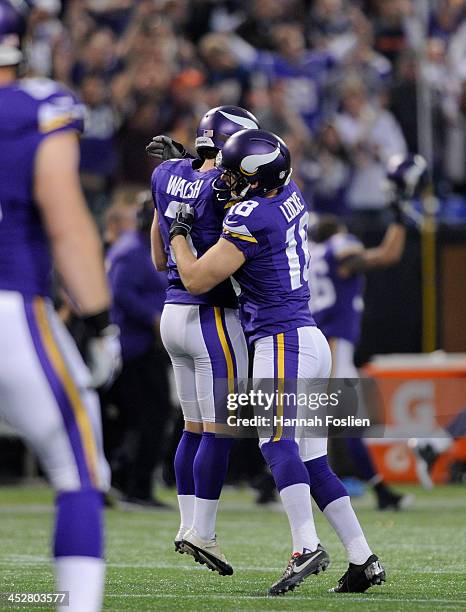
249,249
60,112
243,227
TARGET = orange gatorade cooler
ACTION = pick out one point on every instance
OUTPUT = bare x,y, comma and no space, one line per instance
418,396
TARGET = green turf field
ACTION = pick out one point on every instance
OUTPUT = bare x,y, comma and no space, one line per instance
423,550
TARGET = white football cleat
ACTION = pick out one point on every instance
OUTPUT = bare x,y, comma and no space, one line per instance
206,552
178,538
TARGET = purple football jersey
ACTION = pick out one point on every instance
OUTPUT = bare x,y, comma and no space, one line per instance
272,234
336,302
30,110
176,181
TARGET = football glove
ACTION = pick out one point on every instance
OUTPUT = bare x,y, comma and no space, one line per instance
183,222
103,349
164,147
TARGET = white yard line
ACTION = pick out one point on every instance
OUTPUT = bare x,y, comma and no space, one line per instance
236,596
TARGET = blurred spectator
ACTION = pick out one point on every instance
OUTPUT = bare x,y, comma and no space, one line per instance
304,73
275,115
98,55
327,174
330,22
231,80
404,98
121,217
455,145
370,136
257,27
391,27
375,68
98,152
445,18
155,66
141,391
44,33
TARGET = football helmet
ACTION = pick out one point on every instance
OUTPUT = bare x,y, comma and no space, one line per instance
408,175
13,14
254,162
219,123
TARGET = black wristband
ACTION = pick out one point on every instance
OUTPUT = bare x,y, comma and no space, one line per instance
397,213
96,323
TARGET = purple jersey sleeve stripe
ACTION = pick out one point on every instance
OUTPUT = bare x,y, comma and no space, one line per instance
75,418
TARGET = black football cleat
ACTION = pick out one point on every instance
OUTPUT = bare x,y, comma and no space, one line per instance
426,456
300,566
358,578
389,500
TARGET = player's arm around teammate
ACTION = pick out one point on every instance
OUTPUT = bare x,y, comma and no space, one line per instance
202,333
273,274
200,275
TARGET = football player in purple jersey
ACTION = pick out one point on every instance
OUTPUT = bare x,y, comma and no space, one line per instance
46,390
339,261
264,247
202,333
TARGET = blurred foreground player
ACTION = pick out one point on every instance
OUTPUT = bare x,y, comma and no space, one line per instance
264,246
339,261
202,333
45,388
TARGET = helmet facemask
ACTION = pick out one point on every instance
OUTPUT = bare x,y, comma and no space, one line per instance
231,186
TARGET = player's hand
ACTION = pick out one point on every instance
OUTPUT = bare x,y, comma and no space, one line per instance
183,222
103,350
164,147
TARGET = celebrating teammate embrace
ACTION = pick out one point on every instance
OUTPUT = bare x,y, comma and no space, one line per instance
202,333
264,247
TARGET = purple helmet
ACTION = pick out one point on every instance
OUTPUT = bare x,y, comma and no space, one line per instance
408,174
254,157
13,15
219,123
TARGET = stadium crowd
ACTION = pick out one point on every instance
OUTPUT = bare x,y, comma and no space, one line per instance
341,81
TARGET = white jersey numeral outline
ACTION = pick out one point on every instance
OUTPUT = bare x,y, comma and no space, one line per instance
170,213
298,274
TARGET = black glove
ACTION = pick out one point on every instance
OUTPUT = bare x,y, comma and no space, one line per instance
103,350
183,222
164,147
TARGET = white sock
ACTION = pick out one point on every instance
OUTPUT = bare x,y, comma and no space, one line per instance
186,505
342,518
205,516
83,577
297,503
